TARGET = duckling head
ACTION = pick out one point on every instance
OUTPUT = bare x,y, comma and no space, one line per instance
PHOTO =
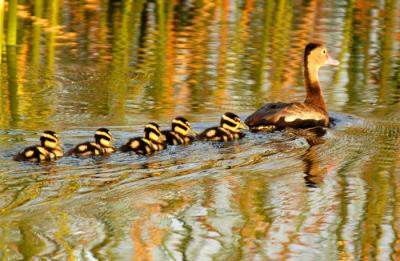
182,126
49,139
153,133
103,137
232,122
317,54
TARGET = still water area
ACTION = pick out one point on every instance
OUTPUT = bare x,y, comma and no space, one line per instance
82,65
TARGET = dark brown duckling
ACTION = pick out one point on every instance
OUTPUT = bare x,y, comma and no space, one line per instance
152,141
312,112
48,150
101,147
228,130
181,132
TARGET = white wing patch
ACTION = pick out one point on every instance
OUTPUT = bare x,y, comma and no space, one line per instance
303,116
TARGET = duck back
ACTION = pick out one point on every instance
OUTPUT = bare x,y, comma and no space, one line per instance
87,149
293,115
34,154
216,134
140,146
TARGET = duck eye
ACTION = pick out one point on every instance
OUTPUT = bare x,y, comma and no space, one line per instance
323,51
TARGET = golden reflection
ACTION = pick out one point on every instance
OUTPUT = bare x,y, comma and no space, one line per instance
395,182
147,233
78,64
315,166
178,51
314,172
256,220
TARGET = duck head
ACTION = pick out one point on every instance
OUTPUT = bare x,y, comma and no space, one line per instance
49,139
316,54
153,133
103,137
232,122
182,126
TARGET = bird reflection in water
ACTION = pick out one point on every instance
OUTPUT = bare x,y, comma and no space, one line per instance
314,168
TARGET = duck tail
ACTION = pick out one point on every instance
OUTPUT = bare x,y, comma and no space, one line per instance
18,157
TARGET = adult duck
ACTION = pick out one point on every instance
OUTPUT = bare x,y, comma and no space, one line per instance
312,112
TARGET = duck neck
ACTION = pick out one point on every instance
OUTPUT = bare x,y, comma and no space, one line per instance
314,91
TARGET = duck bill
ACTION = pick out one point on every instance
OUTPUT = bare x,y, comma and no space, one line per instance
192,133
243,126
162,138
332,61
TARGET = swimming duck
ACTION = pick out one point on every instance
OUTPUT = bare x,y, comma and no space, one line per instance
152,141
49,140
228,130
312,112
181,132
102,145
48,150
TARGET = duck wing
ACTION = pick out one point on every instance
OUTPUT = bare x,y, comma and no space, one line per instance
282,115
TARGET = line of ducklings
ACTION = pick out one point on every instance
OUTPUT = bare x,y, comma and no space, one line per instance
154,140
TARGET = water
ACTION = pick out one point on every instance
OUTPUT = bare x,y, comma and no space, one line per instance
267,197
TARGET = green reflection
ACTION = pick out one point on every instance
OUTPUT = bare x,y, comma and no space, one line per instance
79,65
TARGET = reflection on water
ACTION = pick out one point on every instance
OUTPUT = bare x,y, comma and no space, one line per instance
284,195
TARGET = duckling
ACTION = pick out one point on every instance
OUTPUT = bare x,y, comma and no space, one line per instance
312,112
181,132
49,140
48,150
102,145
228,130
152,141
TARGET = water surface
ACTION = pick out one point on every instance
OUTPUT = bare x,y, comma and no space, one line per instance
80,65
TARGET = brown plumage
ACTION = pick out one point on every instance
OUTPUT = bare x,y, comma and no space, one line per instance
228,130
312,112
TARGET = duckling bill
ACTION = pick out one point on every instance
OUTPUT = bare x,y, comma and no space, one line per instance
101,147
152,141
181,132
228,130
